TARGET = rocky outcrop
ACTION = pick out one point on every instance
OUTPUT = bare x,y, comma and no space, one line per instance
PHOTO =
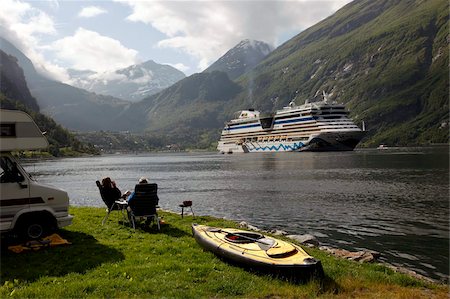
307,239
362,256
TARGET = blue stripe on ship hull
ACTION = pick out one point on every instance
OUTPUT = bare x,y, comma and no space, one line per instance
280,147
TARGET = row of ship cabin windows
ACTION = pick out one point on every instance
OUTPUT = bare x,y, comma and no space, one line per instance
272,138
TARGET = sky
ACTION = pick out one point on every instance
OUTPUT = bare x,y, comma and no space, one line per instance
103,36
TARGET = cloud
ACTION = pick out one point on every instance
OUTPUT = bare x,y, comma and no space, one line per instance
91,11
207,29
88,50
22,25
179,66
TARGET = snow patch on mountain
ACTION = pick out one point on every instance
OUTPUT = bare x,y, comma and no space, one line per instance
132,83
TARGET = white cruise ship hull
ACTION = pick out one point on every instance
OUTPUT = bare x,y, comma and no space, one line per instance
330,141
310,127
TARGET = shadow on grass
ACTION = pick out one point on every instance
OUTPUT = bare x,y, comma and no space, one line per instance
166,229
83,254
327,284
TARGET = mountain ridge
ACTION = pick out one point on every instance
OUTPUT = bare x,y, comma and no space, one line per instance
241,58
132,83
72,107
15,95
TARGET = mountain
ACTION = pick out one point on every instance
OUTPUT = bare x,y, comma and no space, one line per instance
132,83
72,107
14,94
13,84
387,60
241,58
185,110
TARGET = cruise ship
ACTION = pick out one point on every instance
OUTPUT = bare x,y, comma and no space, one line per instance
313,126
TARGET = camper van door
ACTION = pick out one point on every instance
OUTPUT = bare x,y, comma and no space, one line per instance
14,191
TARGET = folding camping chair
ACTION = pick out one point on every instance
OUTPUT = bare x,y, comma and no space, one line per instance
143,204
112,204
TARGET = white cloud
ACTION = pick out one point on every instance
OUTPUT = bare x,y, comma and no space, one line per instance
91,11
179,66
22,25
88,50
207,29
108,76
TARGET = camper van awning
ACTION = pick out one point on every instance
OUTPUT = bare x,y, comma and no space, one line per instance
18,131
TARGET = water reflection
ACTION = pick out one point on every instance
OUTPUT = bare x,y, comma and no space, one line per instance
394,201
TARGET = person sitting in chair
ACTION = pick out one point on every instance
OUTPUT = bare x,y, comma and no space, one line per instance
147,192
110,191
142,180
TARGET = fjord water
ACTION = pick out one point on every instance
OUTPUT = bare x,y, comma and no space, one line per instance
394,201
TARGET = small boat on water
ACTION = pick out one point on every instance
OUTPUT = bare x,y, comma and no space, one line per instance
257,251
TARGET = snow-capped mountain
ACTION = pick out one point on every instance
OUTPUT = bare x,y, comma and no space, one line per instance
241,58
132,83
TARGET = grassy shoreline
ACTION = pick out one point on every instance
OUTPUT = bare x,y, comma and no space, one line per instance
115,261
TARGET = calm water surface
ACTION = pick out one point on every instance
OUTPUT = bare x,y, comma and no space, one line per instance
393,201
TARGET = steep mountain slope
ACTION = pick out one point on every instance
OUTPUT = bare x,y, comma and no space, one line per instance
14,94
132,83
187,109
241,58
12,82
72,107
386,59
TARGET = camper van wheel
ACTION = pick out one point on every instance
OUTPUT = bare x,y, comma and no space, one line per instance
34,228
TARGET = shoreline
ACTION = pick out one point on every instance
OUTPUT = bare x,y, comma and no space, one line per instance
116,261
311,241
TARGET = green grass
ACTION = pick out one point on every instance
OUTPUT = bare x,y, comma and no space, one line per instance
113,261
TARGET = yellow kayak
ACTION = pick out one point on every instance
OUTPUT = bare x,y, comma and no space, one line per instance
254,250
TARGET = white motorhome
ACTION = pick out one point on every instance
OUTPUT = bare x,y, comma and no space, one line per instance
26,207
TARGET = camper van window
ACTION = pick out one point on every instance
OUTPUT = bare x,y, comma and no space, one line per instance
7,130
9,171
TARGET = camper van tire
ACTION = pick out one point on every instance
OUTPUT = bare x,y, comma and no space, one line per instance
35,225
